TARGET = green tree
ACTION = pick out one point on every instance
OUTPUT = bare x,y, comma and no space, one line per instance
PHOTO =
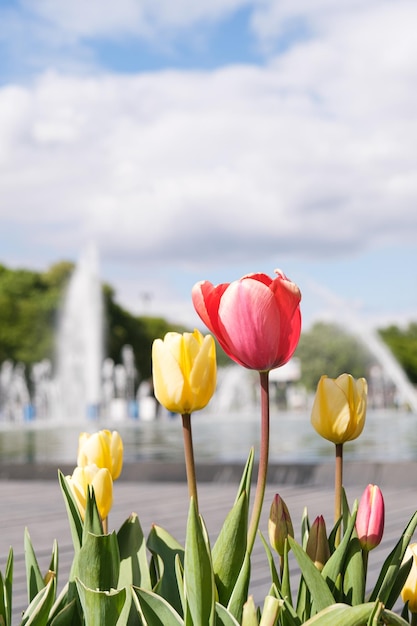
328,349
403,344
29,303
121,328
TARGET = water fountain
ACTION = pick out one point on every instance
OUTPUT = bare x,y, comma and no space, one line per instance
80,343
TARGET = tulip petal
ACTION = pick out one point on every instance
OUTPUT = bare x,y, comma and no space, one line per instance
184,371
249,317
339,408
116,453
167,376
256,319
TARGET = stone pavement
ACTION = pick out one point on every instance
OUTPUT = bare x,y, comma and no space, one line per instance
38,505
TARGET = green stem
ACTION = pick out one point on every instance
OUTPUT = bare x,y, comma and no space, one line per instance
365,555
263,461
189,457
413,619
338,484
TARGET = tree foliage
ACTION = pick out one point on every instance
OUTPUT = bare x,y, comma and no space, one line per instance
328,349
403,344
30,302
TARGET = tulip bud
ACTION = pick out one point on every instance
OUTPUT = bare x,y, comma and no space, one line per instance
104,449
279,524
317,546
100,480
370,518
339,408
409,591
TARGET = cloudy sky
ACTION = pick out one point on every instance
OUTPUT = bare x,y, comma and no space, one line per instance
205,140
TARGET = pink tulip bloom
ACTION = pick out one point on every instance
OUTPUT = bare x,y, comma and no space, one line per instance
370,518
256,319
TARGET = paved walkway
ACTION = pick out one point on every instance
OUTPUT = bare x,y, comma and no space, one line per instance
39,506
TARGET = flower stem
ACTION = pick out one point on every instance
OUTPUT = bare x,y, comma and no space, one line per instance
365,555
263,461
413,619
189,457
338,484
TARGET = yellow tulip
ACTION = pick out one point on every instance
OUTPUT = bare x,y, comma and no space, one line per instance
184,371
339,408
409,591
101,481
104,449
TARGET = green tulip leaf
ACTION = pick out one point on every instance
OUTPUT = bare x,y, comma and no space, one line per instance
335,565
64,600
240,591
305,528
98,562
342,614
37,613
198,571
224,617
179,572
101,607
165,549
92,519
393,619
155,610
346,514
390,569
74,517
303,601
3,604
67,616
399,583
285,580
230,548
271,562
6,588
246,479
320,592
34,578
354,575
134,568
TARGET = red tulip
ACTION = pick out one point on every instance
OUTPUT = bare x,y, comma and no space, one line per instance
370,518
256,319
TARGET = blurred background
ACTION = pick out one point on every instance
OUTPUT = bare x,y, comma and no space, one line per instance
147,145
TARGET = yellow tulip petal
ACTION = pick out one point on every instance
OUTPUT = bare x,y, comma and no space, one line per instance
116,452
167,377
102,484
409,591
184,371
339,408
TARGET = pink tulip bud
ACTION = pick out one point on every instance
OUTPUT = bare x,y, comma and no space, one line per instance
279,524
370,518
317,546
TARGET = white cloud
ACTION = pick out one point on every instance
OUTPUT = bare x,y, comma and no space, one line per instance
323,136
312,155
144,18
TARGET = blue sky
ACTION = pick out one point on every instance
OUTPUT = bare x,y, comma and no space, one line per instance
208,140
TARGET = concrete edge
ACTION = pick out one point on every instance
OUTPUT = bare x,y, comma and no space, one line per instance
401,474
